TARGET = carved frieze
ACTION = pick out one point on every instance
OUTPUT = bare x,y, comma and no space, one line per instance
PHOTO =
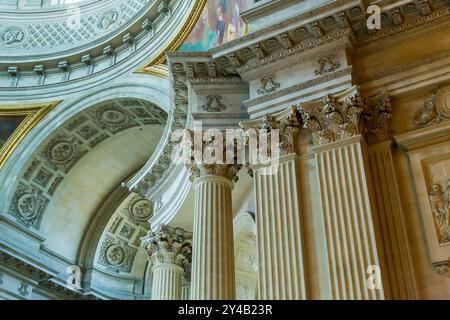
169,246
214,104
327,65
268,84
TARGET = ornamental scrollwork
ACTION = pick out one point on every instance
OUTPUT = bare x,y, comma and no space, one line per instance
268,84
326,65
436,108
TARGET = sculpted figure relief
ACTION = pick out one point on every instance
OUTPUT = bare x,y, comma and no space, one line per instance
440,207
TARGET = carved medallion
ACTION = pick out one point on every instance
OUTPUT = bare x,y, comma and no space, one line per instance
113,117
115,255
27,206
108,20
11,36
62,151
142,210
443,102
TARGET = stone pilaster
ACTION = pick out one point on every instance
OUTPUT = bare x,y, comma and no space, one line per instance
338,124
169,252
278,216
213,274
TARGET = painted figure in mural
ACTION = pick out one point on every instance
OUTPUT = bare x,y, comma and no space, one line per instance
221,22
220,25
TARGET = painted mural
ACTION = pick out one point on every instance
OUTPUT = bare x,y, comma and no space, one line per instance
220,22
7,127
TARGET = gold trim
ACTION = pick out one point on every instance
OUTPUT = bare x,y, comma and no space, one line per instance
33,113
158,71
178,39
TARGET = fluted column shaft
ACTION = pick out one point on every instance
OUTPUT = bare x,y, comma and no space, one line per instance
166,282
278,219
213,275
348,217
169,251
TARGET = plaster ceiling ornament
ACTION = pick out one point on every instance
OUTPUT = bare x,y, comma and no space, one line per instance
440,208
28,205
327,65
214,104
335,118
116,255
11,36
141,210
108,19
169,245
268,84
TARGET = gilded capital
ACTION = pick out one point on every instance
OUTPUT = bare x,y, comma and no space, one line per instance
169,246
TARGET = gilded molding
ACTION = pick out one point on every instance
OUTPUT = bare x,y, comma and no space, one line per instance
178,40
33,113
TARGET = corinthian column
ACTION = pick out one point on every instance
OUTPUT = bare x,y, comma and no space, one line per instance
170,252
278,217
338,124
213,275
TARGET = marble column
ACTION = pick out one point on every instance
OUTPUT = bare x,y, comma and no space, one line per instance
169,252
278,217
213,274
339,124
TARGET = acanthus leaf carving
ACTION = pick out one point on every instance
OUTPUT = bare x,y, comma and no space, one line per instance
169,246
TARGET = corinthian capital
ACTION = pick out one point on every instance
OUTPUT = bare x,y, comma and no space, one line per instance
335,117
285,124
213,154
348,114
376,119
169,246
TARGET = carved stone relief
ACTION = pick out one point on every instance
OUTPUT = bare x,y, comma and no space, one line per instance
436,108
268,84
108,20
440,207
117,256
28,205
327,65
11,36
214,104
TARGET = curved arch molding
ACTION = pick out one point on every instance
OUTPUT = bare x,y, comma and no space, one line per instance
30,115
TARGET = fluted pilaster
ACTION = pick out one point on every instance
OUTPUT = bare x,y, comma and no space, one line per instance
279,224
340,124
392,224
169,251
278,216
